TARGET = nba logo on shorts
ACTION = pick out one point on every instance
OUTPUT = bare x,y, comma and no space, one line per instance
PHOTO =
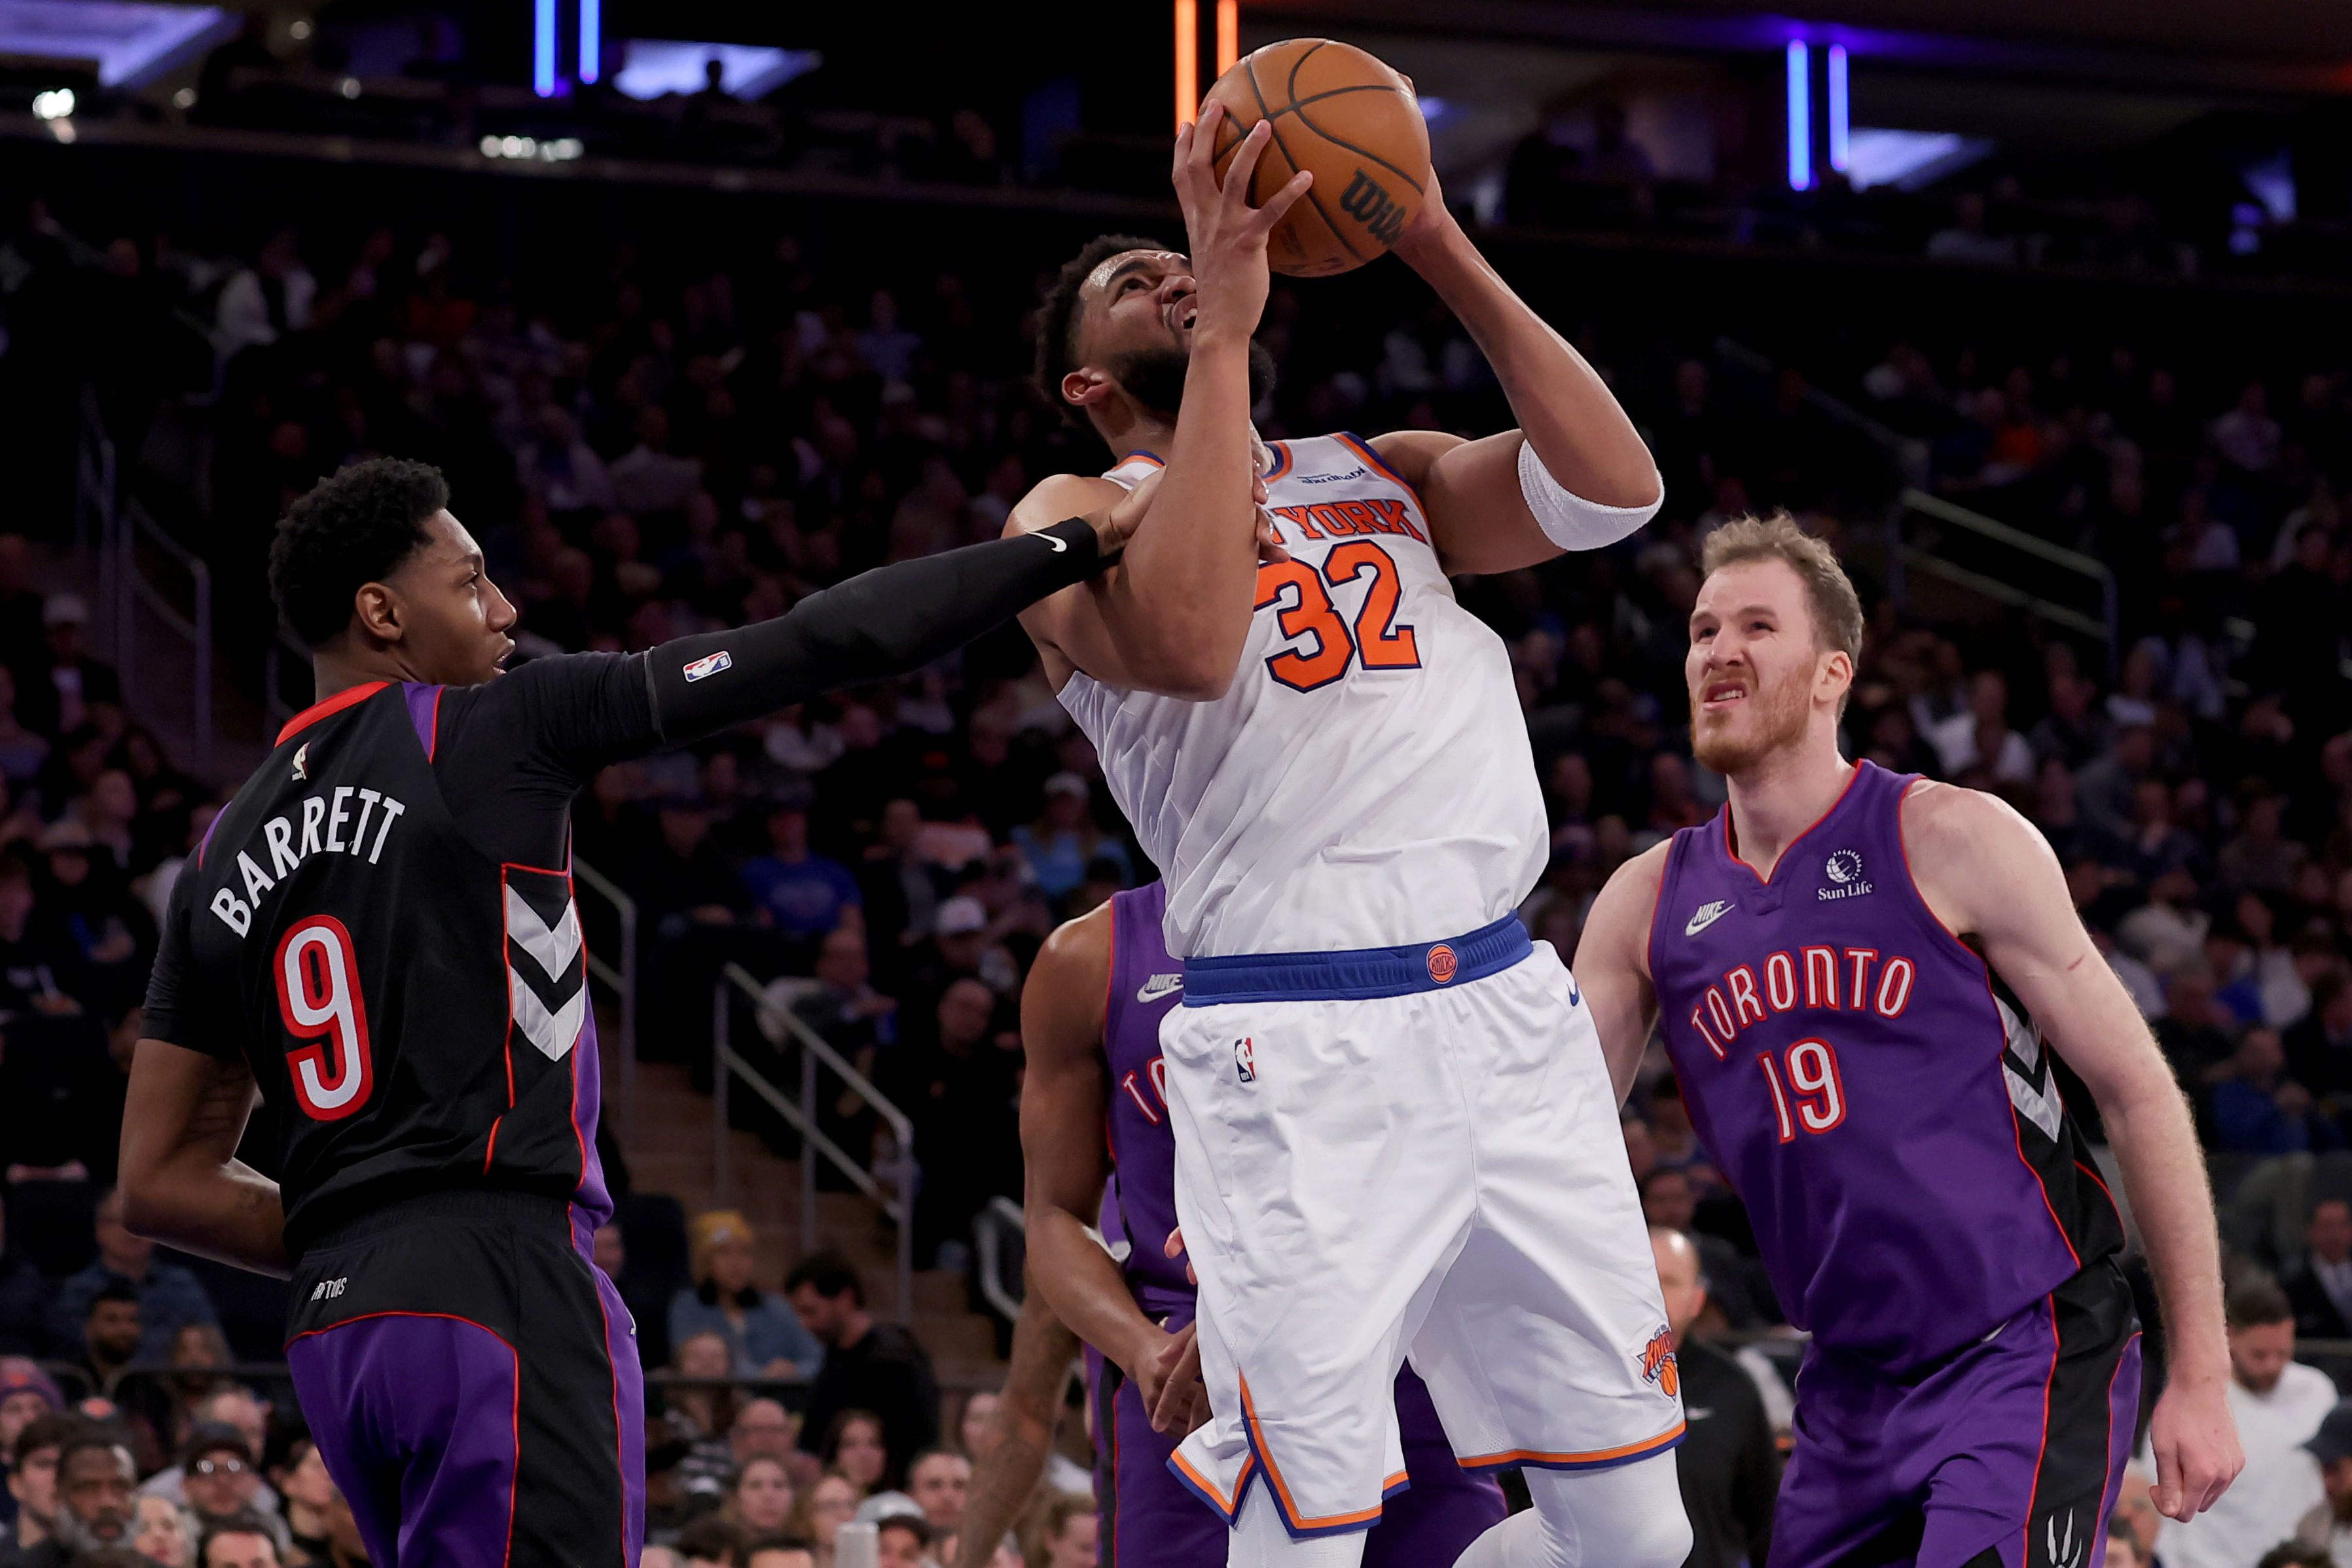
1244,1061
1658,1364
1442,964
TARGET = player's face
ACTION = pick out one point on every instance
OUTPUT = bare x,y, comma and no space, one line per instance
1138,300
1755,669
453,620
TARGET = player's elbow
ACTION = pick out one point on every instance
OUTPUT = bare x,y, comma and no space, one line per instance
145,1211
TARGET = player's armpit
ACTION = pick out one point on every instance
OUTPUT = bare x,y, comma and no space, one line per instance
1612,965
179,1177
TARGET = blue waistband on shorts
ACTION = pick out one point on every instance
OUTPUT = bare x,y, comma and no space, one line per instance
1357,974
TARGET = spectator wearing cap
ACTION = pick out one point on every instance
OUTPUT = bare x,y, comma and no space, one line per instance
963,947
868,1365
221,1482
2279,1403
237,1410
765,1336
2327,1526
1065,839
64,684
803,895
168,1296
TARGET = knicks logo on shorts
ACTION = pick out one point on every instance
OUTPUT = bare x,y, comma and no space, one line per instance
1442,964
1244,1061
1658,1364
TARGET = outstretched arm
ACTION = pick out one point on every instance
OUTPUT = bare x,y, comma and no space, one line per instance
1986,871
1479,517
1064,1099
1612,965
182,1181
1005,1477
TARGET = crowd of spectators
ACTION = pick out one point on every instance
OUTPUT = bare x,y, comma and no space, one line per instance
666,443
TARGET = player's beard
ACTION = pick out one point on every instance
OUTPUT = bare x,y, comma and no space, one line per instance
1781,716
1155,377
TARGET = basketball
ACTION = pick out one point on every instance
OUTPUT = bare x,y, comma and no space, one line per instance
1349,119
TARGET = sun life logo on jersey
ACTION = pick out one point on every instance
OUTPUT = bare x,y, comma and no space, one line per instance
710,665
1658,1365
1845,868
303,760
1245,1060
1158,986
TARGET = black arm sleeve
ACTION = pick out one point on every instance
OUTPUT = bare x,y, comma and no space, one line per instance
881,623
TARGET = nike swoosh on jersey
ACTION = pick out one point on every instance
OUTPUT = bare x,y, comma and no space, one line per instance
1706,915
1059,544
1158,986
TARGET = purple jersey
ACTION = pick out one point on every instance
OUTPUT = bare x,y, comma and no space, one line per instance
1886,1111
1140,1203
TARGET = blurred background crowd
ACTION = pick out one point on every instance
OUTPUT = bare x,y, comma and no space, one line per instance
2082,446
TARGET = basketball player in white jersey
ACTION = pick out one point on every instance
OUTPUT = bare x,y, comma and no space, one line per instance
1396,1135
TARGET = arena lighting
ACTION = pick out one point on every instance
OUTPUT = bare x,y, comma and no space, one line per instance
1800,116
592,40
55,104
1228,34
542,48
559,150
1188,61
651,67
131,40
1838,105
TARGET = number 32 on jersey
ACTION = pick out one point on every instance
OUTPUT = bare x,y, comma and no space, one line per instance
1375,639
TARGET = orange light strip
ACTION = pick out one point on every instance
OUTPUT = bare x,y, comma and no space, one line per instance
1228,34
1188,61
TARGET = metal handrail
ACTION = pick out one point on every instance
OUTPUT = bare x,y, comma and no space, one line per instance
623,980
131,589
727,1063
2106,626
988,1232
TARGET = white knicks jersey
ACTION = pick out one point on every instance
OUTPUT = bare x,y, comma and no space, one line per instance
1366,781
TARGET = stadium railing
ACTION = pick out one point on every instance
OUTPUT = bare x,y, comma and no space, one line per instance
781,1025
2103,628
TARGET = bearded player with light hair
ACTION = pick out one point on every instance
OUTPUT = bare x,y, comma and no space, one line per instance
1864,979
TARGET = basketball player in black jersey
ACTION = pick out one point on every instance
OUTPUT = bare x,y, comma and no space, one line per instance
377,936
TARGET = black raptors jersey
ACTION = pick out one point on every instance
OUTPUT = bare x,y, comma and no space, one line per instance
382,923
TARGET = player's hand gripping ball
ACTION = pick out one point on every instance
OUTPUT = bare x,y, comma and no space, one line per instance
1352,123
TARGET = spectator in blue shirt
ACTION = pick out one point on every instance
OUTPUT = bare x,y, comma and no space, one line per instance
764,1334
169,1297
803,895
1060,844
2258,1110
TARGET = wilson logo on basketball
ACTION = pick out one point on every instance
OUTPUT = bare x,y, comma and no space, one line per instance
1658,1365
1442,964
1365,201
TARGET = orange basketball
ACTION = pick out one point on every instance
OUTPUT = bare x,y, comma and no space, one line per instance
1349,119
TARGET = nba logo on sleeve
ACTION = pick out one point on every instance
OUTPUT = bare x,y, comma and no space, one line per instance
710,665
1244,1061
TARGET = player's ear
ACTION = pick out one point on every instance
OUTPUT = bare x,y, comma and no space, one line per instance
376,611
1084,388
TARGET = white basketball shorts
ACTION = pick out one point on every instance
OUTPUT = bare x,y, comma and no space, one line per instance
1407,1152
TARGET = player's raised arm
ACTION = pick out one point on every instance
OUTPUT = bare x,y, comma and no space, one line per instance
1064,1100
1156,351
1612,965
1574,475
1986,871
